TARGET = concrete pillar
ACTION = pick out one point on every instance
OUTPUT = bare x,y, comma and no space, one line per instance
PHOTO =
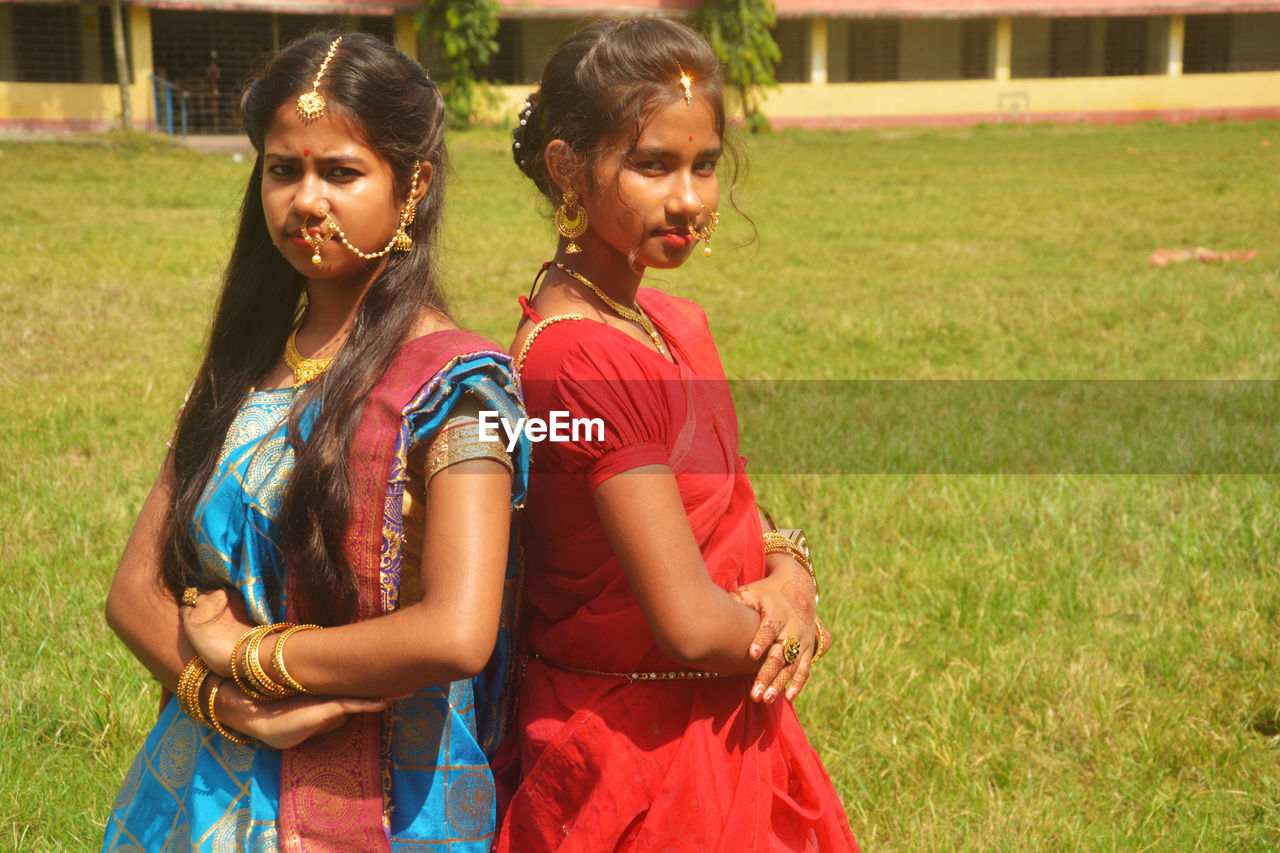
818,52
1177,33
142,65
90,46
406,36
1004,48
1097,47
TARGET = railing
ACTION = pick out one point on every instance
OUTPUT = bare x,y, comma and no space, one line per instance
169,90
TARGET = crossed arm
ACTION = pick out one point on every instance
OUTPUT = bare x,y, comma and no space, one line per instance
447,635
696,623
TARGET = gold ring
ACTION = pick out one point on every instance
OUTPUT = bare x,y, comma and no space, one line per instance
790,649
822,640
190,596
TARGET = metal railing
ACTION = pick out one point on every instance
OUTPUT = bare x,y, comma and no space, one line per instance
167,113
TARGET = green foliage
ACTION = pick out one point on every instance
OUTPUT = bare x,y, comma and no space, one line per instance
741,34
462,33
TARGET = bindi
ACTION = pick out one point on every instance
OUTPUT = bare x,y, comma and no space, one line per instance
306,152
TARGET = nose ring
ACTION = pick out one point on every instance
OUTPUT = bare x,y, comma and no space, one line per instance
706,232
317,242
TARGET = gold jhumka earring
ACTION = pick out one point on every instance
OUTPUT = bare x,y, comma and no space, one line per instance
311,104
704,234
571,227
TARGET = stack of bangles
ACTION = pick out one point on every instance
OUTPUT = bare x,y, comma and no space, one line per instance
246,670
794,544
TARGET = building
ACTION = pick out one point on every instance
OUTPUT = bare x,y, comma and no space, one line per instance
845,63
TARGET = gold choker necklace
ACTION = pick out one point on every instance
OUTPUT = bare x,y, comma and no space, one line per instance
304,369
635,315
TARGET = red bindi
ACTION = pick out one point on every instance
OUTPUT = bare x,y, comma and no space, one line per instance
306,152
690,138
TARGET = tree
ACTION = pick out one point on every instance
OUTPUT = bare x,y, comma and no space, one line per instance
741,34
463,34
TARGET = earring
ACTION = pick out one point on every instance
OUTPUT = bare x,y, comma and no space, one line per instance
571,228
705,233
402,242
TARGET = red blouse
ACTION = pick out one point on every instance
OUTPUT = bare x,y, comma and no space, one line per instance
673,765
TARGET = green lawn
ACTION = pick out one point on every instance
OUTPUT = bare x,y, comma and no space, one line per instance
1024,662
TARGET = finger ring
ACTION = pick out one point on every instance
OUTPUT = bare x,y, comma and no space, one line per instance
189,596
822,639
790,649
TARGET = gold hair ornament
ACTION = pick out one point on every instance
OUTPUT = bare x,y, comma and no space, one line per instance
311,104
705,233
571,228
686,82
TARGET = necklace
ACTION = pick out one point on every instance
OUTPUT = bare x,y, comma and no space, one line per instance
633,314
304,369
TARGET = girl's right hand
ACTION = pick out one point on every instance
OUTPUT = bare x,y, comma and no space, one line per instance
288,722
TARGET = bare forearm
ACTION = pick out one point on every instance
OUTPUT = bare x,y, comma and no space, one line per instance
392,655
139,608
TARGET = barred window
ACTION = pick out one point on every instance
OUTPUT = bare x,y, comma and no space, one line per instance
977,61
873,49
1125,52
64,44
211,54
792,37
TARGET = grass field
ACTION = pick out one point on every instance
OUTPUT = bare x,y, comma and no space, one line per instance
1048,662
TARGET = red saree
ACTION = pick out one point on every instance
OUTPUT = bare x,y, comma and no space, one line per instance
676,765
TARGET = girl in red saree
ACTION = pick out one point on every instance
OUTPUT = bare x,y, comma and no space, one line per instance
655,713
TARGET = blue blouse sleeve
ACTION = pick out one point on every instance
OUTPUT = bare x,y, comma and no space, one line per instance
488,380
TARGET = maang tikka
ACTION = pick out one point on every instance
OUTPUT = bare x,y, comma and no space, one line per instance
686,83
571,227
311,104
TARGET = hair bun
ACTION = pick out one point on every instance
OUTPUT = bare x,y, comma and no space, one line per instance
524,148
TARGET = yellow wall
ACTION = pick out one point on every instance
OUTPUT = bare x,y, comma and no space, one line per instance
978,98
849,104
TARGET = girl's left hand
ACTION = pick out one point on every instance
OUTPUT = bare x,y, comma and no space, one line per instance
787,607
213,625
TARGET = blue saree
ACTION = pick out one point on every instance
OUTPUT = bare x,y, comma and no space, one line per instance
191,789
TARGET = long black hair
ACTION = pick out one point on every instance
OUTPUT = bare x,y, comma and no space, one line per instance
391,102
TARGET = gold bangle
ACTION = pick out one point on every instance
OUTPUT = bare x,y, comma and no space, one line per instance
277,657
189,684
253,666
777,542
242,681
822,641
213,716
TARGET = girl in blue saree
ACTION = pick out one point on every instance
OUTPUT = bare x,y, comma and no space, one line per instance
329,488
